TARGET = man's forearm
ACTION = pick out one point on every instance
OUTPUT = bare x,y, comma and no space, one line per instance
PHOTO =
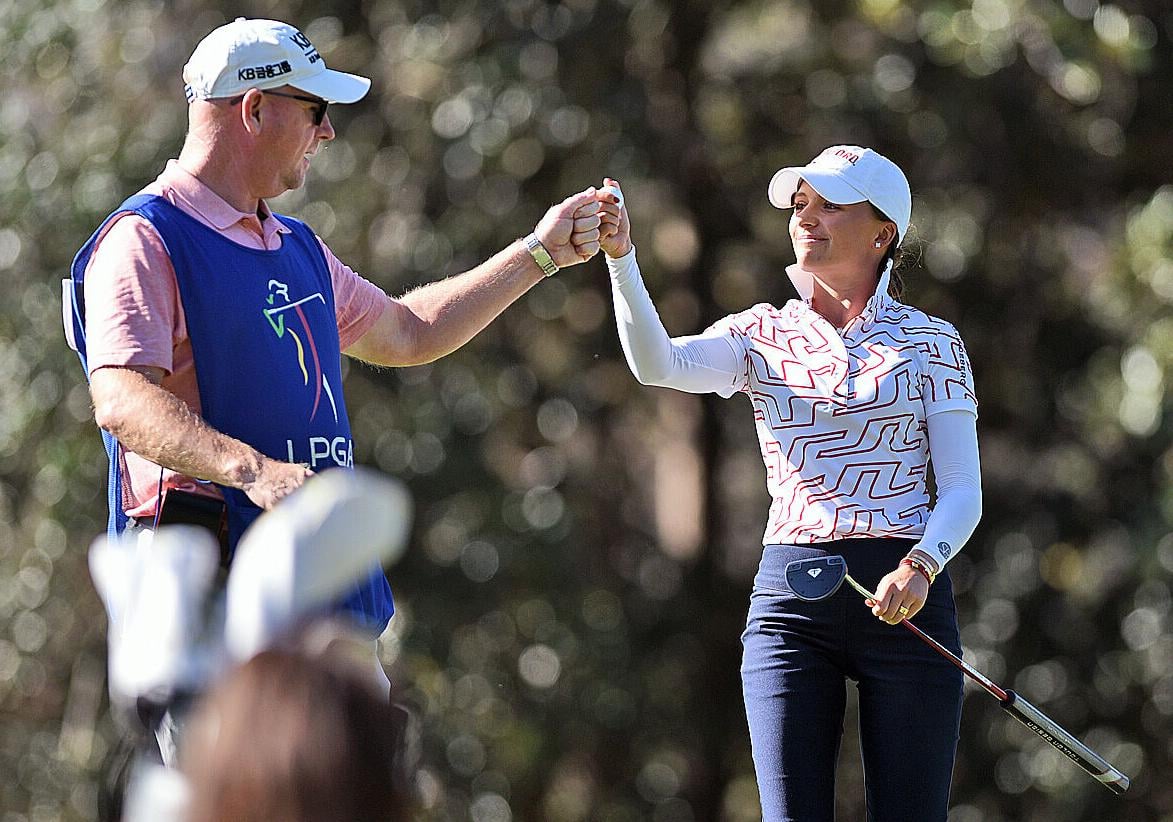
452,311
155,424
439,317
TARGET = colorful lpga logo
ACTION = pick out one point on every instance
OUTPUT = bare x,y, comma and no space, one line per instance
280,306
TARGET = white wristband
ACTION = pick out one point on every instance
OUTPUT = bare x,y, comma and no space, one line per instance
541,255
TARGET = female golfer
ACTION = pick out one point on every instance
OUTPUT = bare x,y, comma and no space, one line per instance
854,395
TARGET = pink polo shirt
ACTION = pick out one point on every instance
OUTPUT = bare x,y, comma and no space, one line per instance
134,315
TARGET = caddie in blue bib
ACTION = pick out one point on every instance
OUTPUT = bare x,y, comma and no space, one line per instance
267,356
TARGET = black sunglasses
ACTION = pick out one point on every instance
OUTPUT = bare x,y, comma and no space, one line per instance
319,104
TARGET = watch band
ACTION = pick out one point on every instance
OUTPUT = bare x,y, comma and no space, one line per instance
541,255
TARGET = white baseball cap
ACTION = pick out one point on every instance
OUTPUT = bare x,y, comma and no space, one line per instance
849,174
264,54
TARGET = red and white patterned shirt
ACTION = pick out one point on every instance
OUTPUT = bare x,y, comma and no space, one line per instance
841,416
845,418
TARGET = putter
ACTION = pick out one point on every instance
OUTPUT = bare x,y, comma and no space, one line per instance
820,577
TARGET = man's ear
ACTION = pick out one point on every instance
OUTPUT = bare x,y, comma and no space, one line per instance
250,110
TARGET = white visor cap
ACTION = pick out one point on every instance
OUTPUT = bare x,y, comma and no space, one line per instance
849,174
264,54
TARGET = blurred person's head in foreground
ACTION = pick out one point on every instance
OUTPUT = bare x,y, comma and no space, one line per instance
288,737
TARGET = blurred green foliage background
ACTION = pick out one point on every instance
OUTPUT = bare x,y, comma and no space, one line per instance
570,609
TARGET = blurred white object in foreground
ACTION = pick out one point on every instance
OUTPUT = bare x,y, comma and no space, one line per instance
309,550
155,590
296,559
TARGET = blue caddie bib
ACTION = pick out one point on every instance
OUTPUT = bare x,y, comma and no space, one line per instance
264,337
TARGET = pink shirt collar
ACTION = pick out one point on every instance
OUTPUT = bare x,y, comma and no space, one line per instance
186,190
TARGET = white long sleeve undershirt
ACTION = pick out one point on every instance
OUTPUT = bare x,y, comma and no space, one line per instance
703,363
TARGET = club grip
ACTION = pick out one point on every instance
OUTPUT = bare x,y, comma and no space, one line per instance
1058,737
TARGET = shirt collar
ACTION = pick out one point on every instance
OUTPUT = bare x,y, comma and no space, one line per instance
214,209
804,284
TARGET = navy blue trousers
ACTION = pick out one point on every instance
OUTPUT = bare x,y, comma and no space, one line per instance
797,658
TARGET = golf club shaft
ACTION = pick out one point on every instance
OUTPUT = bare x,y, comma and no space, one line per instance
1062,740
1026,713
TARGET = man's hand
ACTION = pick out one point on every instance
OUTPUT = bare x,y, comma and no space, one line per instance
570,229
615,232
274,481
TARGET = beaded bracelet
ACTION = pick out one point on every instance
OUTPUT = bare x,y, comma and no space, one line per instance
918,565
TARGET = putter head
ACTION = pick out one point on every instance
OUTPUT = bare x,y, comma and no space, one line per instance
816,578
